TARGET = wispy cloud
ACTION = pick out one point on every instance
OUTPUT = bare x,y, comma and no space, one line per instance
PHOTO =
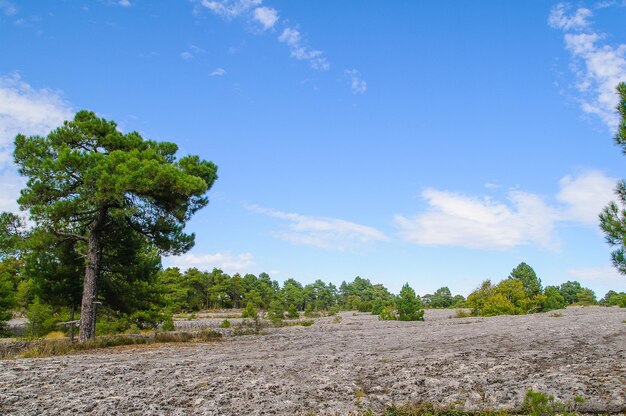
598,67
192,52
357,84
266,16
230,9
455,219
322,232
124,3
226,261
218,72
292,38
7,8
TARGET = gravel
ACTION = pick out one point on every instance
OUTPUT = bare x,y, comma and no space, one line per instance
340,367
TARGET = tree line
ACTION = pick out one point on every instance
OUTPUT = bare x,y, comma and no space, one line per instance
104,206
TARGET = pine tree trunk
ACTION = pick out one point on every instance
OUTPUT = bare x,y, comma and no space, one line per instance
88,308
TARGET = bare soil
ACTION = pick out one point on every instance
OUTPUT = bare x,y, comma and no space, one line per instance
336,368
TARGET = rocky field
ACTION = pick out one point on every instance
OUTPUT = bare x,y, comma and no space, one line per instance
337,366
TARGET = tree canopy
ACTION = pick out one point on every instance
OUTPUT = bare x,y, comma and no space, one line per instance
613,217
92,184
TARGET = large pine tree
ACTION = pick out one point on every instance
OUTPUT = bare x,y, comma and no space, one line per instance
86,178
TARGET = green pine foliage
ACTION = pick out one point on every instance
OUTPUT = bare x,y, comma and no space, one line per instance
613,218
409,305
250,312
292,312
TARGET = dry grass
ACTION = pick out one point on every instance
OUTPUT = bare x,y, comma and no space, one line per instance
54,347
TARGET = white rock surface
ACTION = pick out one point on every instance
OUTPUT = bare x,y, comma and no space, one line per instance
474,363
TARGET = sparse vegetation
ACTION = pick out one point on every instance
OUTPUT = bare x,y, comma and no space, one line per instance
462,313
47,348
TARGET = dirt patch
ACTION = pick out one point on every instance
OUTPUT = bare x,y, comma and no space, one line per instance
334,368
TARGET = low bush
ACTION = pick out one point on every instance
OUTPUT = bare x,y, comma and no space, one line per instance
250,312
387,314
292,312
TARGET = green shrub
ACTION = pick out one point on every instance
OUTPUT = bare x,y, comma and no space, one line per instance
334,310
225,324
276,311
168,323
538,404
250,312
292,312
387,314
365,307
377,306
41,319
108,325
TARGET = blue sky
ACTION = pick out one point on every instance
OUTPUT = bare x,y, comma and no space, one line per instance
433,142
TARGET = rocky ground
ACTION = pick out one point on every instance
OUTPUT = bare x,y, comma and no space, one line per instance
337,367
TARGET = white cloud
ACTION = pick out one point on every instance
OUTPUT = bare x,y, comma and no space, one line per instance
266,16
124,3
226,261
598,68
454,219
24,109
357,84
323,232
218,72
585,196
186,55
229,9
292,38
560,20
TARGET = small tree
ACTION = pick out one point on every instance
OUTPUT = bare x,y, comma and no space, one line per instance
276,311
292,312
409,305
569,290
525,274
442,298
553,299
250,312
